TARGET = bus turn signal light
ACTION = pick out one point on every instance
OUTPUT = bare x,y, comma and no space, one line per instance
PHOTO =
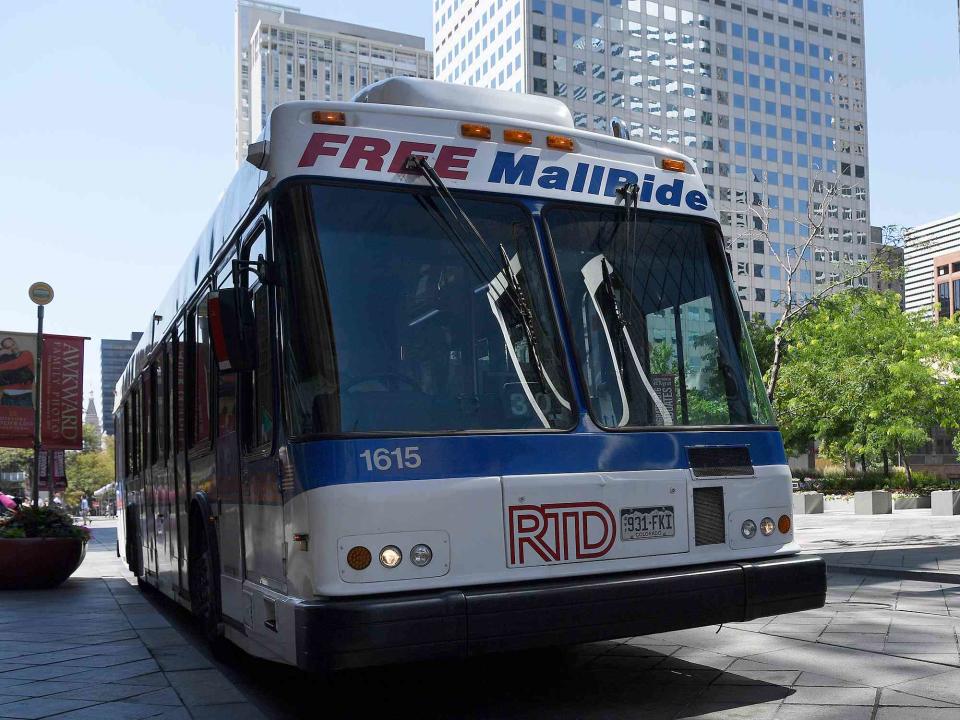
559,142
783,524
475,130
673,164
359,558
328,117
519,137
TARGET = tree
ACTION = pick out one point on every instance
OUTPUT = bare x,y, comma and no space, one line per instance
89,469
790,260
866,379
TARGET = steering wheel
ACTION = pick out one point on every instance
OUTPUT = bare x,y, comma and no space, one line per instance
388,382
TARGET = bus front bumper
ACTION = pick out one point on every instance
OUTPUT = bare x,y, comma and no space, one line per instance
456,623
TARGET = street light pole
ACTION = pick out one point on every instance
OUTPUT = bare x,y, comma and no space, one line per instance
36,411
41,294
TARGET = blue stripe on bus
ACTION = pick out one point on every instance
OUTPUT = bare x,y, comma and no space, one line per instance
336,462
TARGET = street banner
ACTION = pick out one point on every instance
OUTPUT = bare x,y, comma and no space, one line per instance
18,362
61,406
52,468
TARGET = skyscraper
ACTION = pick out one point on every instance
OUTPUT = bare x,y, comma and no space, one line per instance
283,55
114,355
767,95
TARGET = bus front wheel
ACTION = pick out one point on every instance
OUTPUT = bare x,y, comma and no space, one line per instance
204,597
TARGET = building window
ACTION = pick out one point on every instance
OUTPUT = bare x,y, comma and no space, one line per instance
540,86
943,299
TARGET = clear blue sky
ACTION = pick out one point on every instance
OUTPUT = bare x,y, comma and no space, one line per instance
117,137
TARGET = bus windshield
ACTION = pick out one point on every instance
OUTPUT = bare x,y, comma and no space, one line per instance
657,331
397,321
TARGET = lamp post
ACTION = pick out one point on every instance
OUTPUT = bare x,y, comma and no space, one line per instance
41,294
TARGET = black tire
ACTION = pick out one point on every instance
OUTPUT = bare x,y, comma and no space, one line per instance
204,589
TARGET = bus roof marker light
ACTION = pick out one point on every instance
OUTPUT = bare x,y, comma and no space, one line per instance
673,164
475,130
328,117
518,137
560,142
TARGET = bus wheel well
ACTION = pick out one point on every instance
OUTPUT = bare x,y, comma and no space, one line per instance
203,563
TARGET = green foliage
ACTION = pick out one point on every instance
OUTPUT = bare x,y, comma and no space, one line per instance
864,378
88,470
761,337
41,522
841,483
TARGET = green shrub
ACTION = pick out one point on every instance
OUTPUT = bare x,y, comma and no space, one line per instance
41,522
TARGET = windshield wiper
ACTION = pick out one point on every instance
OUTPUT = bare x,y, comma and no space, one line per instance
512,290
623,334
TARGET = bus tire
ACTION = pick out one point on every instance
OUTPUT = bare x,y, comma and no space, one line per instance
204,588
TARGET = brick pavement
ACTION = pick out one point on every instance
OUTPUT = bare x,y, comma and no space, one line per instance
96,649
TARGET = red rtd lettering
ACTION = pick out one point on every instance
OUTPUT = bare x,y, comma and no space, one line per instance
558,532
452,161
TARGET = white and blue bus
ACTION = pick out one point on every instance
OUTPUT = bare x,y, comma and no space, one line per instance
445,375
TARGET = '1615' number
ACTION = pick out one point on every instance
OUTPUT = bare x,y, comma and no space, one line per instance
383,459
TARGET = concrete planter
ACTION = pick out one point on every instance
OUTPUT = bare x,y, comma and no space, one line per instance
38,563
945,502
911,503
873,502
838,504
807,503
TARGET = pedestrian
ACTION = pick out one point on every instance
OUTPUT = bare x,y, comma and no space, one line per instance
84,510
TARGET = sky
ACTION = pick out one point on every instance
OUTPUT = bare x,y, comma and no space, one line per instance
116,129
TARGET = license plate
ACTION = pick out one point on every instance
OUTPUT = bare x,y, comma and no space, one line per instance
644,523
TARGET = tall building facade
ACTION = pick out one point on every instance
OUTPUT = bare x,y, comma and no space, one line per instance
768,96
114,355
284,55
932,268
892,257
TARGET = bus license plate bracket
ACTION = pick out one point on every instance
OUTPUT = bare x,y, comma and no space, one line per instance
647,523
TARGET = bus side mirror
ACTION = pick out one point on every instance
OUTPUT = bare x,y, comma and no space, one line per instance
232,329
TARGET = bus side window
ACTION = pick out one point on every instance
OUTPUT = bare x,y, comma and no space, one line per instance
154,414
260,406
143,426
199,352
226,379
127,444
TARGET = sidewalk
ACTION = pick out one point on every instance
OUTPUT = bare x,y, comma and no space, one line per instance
96,649
908,544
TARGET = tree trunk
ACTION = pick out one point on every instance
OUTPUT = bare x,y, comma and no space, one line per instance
777,361
906,465
863,464
886,464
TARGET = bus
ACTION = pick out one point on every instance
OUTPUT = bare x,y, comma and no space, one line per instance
445,375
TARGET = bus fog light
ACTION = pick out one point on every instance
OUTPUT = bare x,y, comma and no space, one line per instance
390,556
421,555
766,526
748,529
359,558
783,524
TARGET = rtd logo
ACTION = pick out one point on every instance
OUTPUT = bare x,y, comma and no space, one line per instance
559,532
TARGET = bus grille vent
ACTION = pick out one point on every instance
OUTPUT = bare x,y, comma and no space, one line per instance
708,516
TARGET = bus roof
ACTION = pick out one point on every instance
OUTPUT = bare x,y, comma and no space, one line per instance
370,137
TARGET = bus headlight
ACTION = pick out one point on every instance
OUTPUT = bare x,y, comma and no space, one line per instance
390,556
766,526
748,529
421,555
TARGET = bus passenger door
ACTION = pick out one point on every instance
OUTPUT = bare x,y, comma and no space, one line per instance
147,502
228,479
159,475
263,501
177,439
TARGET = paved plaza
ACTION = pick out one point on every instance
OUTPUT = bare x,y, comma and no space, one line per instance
884,646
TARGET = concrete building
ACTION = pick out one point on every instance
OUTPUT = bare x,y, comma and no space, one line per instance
114,355
892,256
283,55
932,268
767,95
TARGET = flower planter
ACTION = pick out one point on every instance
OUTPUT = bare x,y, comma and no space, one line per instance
911,503
38,563
873,502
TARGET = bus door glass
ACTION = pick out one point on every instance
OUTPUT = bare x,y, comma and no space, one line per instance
178,444
228,463
162,473
263,511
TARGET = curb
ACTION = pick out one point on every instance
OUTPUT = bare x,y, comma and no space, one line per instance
933,576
